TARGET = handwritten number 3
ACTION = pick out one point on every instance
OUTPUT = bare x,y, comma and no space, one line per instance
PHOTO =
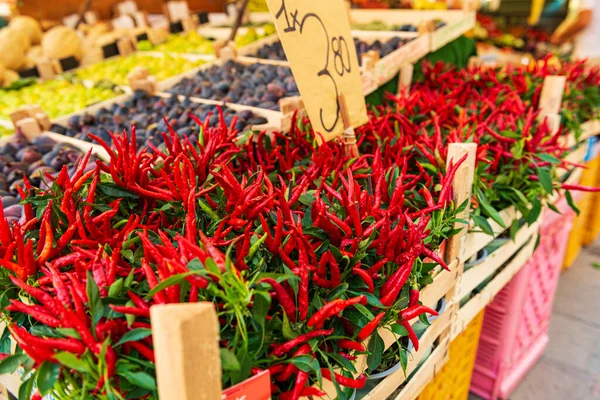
339,47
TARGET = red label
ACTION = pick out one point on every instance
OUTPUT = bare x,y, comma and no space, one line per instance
256,388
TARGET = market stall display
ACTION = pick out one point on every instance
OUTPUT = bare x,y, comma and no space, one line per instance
57,97
343,274
115,70
146,114
256,85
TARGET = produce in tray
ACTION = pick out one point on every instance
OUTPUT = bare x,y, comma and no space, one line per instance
37,161
190,42
146,114
116,69
382,26
383,47
257,85
57,97
252,35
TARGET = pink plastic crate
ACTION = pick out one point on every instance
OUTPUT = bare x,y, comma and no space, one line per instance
515,325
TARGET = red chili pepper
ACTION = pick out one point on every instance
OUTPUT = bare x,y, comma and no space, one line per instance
413,297
348,344
414,311
412,336
332,308
366,331
396,282
366,278
377,266
131,310
357,383
300,384
286,347
284,298
143,350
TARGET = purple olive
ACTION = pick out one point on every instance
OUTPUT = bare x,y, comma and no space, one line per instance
28,154
8,201
43,143
13,211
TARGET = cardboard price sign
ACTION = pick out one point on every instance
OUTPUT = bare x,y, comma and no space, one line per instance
321,52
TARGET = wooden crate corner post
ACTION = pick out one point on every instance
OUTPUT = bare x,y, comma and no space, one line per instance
552,93
405,76
188,364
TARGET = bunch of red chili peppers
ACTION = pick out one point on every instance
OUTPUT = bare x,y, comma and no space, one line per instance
322,250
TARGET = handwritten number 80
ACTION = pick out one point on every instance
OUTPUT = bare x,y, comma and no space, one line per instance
339,47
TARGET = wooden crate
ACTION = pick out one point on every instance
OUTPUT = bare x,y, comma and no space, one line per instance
444,286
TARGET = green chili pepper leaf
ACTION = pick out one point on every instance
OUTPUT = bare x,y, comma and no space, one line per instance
545,179
229,361
399,330
140,379
71,361
548,158
343,362
46,377
112,190
534,212
491,211
376,348
571,202
286,329
260,308
483,223
305,363
26,388
94,300
134,335
116,287
195,265
170,281
512,231
11,363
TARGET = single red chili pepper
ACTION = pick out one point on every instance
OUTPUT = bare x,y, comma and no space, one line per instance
313,391
300,384
131,310
357,383
412,336
334,271
284,298
396,282
143,350
377,266
414,311
366,331
286,347
348,344
332,308
413,297
290,369
366,278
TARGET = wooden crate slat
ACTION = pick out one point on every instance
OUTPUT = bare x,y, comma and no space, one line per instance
468,312
474,276
476,241
436,361
397,378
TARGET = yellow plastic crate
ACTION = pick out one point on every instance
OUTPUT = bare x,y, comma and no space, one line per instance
592,227
585,224
454,380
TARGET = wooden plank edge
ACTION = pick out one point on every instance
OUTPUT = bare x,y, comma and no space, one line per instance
470,310
478,240
426,372
439,327
476,275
